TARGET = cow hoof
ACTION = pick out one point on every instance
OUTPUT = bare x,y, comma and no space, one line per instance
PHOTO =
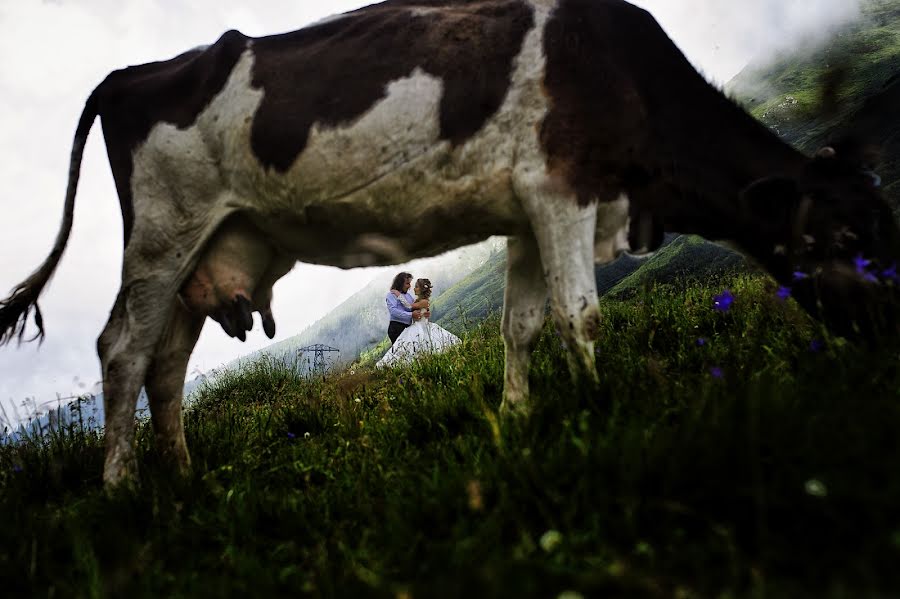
119,477
268,323
515,411
243,312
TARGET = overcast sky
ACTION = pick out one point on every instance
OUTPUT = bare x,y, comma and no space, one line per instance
55,52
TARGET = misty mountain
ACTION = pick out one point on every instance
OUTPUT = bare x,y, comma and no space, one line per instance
84,412
862,60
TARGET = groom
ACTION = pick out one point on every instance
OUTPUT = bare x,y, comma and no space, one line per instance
399,305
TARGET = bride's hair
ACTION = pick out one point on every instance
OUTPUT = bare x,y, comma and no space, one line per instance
424,286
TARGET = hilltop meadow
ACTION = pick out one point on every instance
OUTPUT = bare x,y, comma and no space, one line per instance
734,449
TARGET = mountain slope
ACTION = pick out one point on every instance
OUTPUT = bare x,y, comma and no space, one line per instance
864,57
688,258
354,326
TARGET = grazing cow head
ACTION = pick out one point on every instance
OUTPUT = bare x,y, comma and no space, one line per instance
837,243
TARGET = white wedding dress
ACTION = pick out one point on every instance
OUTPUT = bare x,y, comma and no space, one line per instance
421,337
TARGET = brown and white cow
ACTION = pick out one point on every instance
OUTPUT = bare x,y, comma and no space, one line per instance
420,126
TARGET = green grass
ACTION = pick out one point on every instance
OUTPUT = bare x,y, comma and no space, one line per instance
777,480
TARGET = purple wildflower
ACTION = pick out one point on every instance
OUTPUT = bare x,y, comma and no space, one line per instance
723,301
291,435
783,293
815,346
800,275
890,273
716,372
701,341
17,468
862,266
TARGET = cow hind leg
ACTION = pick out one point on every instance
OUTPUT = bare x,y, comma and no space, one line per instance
126,348
165,385
523,314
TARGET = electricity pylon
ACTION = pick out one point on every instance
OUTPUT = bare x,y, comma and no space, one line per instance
318,350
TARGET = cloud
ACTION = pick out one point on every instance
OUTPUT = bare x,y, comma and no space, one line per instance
721,37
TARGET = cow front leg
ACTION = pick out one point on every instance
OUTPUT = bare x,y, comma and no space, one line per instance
523,314
126,348
565,234
165,385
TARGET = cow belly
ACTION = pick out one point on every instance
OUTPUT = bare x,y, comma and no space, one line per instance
234,277
233,263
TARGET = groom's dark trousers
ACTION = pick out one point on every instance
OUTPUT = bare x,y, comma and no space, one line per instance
394,330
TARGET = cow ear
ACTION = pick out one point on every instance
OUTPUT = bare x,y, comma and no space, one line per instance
825,152
771,201
850,151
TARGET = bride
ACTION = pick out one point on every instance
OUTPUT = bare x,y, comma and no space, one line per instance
422,336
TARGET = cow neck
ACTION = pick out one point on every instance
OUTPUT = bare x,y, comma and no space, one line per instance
705,177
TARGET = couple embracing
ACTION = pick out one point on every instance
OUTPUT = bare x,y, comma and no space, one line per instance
409,330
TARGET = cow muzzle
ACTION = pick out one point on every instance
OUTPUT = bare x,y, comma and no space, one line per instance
854,303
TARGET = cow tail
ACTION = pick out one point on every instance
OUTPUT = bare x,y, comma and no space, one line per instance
14,310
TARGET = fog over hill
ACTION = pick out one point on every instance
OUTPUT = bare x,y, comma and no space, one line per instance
722,37
785,92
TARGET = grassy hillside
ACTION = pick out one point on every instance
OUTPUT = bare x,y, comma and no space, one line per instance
786,93
680,258
726,454
686,259
476,296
